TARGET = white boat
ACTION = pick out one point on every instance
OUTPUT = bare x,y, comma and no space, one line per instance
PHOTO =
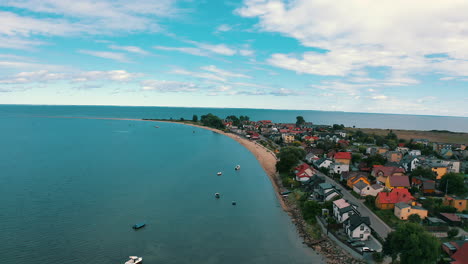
237,167
219,173
217,195
134,260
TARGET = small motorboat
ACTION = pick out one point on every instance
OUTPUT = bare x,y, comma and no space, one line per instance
237,167
219,173
138,226
234,202
134,260
217,195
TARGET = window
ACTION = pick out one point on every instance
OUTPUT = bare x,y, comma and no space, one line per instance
409,210
362,227
361,235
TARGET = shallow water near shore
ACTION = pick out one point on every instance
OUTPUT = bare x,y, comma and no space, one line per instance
70,190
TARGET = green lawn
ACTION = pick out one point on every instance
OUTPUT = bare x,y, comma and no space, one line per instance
387,216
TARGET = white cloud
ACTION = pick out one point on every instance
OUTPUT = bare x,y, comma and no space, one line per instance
246,52
223,28
357,34
207,50
224,73
168,86
132,49
202,75
76,77
106,55
378,97
115,75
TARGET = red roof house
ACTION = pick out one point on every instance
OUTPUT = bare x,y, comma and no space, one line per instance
387,200
303,172
461,256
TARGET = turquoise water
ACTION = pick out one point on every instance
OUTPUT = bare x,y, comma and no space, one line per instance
70,190
363,120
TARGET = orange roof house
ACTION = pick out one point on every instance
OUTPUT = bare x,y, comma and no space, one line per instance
387,200
353,180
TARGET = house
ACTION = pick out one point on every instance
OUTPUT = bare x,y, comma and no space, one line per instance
339,167
311,157
421,141
439,169
303,172
342,210
453,246
351,174
425,185
398,182
461,256
458,202
410,163
376,150
368,190
342,157
387,200
288,138
326,192
451,219
440,146
382,172
446,153
352,181
393,156
357,227
403,211
415,152
323,163
313,183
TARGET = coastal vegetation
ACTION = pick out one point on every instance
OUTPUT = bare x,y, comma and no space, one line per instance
213,121
289,157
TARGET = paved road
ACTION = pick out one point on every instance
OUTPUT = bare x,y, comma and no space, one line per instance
377,224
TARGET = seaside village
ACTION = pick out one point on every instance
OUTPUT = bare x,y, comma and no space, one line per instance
372,193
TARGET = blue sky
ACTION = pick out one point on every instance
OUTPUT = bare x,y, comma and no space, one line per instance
353,55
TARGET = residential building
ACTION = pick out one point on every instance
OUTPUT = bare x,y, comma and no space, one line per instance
288,138
403,210
323,163
352,181
425,185
342,210
459,203
326,192
303,172
398,182
376,150
382,172
393,156
387,200
414,152
339,167
440,146
351,174
366,189
451,219
461,256
421,141
453,246
409,163
342,157
357,227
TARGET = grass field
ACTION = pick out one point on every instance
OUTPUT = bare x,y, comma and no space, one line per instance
433,136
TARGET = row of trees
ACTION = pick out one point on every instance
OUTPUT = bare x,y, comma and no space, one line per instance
211,120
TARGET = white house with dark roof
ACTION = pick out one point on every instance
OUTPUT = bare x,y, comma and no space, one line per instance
357,227
342,210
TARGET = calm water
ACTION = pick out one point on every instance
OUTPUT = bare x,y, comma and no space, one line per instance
363,120
70,189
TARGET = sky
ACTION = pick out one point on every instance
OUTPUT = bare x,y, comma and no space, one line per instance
402,57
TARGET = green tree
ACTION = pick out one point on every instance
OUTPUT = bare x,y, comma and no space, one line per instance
455,182
356,158
414,218
235,121
423,172
195,118
310,209
244,118
299,121
288,158
453,232
413,244
375,160
211,120
338,127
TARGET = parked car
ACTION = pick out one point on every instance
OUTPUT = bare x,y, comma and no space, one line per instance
366,249
351,240
358,244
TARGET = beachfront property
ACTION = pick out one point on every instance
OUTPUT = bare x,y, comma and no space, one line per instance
342,210
357,227
326,192
303,172
403,210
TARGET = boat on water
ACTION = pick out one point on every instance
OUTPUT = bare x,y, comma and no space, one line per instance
217,195
138,226
219,173
237,167
134,260
156,126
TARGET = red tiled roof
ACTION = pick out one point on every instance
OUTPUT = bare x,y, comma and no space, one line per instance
399,181
395,196
461,256
343,155
451,217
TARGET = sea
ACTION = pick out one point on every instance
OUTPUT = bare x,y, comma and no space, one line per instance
71,188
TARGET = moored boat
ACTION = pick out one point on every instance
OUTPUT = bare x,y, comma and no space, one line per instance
219,173
237,167
217,195
138,226
134,260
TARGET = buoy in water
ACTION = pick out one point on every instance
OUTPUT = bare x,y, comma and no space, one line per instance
217,195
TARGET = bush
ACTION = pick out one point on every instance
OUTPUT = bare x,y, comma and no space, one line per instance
453,232
378,257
